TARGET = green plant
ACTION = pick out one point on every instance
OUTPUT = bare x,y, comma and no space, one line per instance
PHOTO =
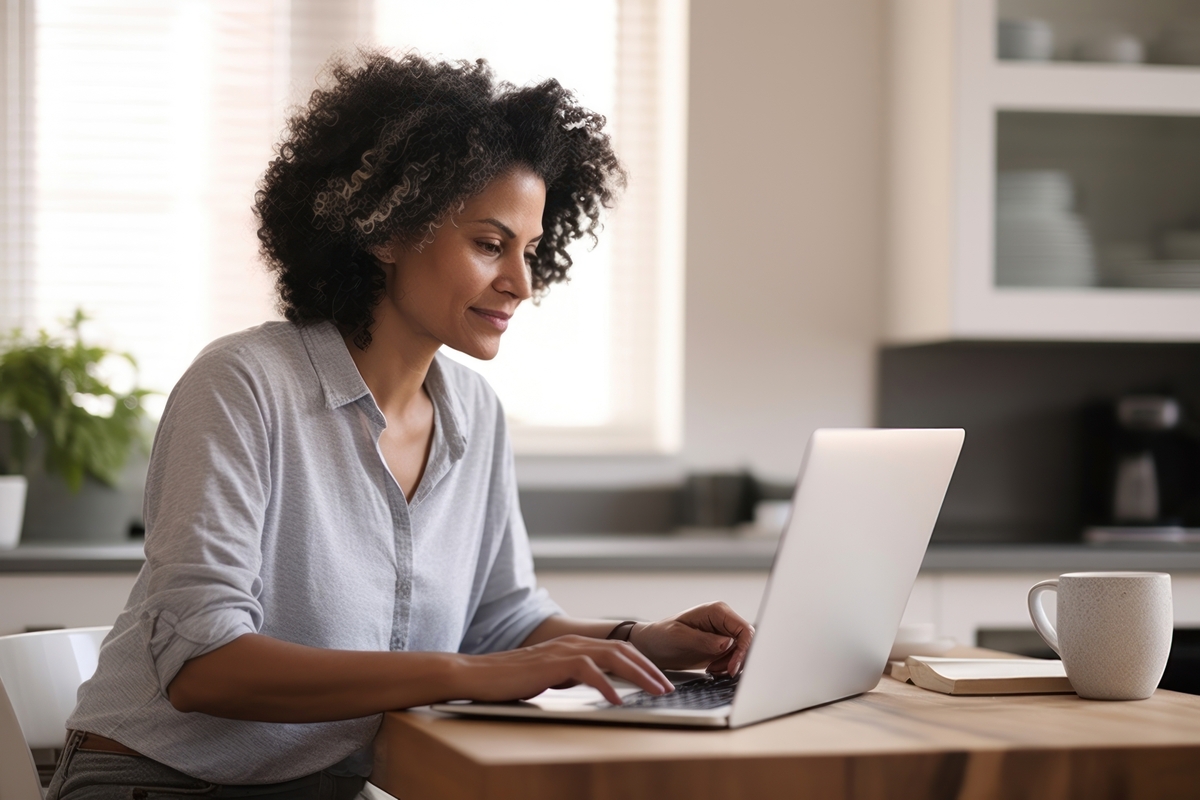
54,387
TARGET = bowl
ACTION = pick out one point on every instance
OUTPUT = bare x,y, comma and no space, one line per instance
1024,40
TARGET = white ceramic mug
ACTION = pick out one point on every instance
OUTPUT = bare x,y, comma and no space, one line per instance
1113,632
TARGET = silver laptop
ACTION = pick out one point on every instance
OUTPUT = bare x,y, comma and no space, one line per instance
864,508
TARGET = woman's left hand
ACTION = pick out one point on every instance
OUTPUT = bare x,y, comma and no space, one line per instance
710,636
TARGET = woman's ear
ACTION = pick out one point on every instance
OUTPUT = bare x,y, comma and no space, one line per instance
383,253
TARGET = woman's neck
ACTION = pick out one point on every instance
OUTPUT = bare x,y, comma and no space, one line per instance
395,365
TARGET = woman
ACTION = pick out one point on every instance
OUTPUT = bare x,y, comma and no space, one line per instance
331,512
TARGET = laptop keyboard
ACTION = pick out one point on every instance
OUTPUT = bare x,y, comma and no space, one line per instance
698,694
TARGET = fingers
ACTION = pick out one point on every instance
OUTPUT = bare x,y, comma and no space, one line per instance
719,618
560,662
712,644
720,666
743,637
618,658
583,655
715,618
630,664
592,675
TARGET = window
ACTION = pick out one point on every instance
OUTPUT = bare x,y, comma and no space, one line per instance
145,125
135,130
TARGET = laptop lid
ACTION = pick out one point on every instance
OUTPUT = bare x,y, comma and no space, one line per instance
862,514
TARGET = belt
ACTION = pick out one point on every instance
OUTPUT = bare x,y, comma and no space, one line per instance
95,742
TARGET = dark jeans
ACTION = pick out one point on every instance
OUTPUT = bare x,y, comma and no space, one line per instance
88,775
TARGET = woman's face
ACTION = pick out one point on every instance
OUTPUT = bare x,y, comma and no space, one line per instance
461,288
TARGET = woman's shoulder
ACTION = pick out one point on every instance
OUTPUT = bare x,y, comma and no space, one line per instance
256,361
257,373
263,347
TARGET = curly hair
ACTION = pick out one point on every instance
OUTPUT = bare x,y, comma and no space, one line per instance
390,148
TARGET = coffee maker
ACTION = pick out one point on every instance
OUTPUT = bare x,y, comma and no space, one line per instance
1141,471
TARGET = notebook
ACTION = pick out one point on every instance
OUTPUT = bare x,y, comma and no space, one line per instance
976,676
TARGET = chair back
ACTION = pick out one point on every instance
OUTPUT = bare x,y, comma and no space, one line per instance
18,773
41,673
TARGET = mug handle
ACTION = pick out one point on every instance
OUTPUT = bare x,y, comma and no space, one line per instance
1037,611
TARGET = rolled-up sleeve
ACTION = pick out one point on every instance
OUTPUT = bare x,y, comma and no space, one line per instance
206,495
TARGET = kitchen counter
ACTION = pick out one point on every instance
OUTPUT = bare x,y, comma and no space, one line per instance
73,558
734,553
690,553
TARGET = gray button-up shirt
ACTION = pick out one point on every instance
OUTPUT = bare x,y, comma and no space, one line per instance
269,509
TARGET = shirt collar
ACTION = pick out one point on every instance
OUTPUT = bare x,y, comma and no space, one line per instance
342,384
335,369
450,414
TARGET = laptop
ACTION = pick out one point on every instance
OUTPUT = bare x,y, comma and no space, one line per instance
863,511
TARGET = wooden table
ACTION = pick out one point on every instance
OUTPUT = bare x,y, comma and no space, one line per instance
895,742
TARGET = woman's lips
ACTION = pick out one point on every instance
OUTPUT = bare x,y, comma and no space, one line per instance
497,319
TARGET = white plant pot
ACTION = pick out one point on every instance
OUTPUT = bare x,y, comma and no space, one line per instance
12,509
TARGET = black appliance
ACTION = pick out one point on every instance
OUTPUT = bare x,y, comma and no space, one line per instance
1141,471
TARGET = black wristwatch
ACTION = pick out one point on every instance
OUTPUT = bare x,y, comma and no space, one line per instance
622,631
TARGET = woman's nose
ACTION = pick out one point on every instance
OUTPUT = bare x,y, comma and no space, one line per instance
516,278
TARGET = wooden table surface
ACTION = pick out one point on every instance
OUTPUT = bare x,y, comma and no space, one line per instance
896,741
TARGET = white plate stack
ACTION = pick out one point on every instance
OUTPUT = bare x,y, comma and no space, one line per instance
1161,275
1040,241
1132,264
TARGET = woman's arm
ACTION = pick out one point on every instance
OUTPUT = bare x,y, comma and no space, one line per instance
256,677
710,636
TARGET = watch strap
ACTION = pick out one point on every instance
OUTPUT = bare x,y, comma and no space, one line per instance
622,631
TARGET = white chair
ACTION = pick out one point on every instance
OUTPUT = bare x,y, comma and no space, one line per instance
40,674
18,773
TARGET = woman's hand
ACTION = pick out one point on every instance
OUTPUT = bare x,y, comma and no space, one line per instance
557,663
711,636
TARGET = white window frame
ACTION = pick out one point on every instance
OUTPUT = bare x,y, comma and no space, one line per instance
16,163
649,231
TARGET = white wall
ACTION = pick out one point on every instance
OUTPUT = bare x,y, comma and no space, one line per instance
784,226
785,193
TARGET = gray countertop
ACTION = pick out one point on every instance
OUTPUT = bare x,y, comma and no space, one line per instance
697,553
733,553
73,558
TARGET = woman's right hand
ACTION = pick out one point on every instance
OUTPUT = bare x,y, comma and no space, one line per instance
556,664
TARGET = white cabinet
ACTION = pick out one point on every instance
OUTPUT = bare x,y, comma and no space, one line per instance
67,600
958,114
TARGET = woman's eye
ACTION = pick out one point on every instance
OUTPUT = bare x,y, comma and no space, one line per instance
490,247
529,258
